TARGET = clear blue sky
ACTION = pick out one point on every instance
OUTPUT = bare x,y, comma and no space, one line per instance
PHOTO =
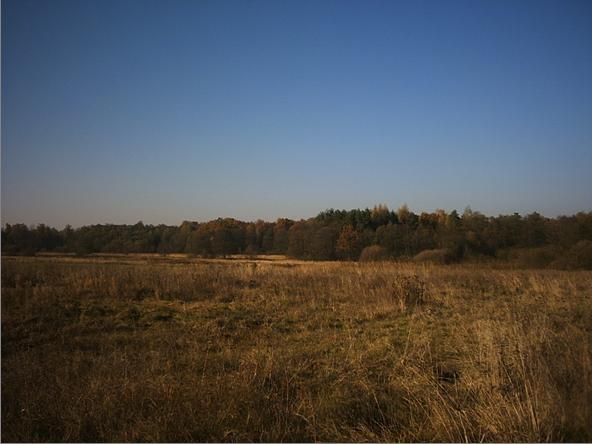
160,111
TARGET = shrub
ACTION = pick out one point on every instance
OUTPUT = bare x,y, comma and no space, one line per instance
439,256
373,253
539,257
409,291
251,250
578,257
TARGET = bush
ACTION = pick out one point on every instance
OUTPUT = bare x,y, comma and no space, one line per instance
578,257
539,257
409,291
373,253
251,250
439,256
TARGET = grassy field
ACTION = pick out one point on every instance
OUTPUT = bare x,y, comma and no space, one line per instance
141,348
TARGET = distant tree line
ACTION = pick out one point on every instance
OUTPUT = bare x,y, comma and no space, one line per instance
369,234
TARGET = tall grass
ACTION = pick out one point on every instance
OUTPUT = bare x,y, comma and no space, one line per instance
133,350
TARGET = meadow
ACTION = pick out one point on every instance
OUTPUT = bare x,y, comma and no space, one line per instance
174,348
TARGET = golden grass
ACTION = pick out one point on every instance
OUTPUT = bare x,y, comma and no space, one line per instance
182,349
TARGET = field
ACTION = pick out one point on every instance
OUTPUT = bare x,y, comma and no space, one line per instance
150,348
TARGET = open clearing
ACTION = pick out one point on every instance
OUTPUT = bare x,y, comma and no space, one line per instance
150,348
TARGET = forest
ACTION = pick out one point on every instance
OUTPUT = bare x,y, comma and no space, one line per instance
564,242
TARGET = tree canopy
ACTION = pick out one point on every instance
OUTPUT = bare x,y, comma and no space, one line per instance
331,235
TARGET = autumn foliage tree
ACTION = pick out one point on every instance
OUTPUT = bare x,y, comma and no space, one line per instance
348,244
533,240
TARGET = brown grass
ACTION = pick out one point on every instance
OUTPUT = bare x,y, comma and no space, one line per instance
145,349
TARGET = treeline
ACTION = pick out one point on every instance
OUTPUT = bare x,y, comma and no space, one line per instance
369,234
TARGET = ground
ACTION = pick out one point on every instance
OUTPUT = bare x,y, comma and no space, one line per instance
154,348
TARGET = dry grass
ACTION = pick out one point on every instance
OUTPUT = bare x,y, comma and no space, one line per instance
157,349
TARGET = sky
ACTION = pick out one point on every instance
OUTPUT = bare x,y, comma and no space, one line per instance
115,111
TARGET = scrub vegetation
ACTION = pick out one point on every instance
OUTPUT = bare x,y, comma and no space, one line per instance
176,348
